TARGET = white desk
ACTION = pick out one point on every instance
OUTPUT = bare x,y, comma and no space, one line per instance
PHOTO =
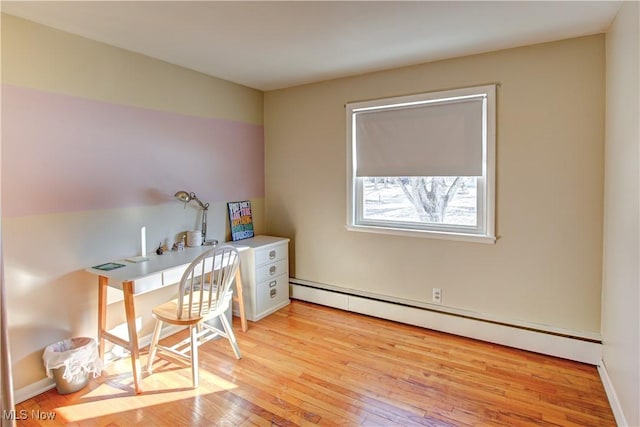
137,278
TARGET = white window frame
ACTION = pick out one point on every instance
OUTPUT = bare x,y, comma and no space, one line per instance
484,232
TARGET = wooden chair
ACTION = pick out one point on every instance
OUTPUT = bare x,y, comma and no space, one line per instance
205,293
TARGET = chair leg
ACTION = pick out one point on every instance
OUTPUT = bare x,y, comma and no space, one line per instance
230,335
154,345
200,338
194,354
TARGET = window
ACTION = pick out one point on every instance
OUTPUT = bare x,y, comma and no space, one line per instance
423,165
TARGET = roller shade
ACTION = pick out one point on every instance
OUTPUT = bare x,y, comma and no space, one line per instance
441,138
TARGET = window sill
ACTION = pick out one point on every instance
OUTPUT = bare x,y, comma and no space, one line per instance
476,238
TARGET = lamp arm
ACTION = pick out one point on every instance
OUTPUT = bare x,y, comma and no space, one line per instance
202,205
204,223
185,197
205,208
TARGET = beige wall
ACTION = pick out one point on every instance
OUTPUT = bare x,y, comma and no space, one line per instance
621,274
49,297
77,66
546,266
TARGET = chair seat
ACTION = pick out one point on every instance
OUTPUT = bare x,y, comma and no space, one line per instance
168,312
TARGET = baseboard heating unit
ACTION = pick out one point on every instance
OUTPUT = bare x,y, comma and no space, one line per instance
572,345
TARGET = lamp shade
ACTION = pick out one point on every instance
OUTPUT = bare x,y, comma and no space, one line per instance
183,196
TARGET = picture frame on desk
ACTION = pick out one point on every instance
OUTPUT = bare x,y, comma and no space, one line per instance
240,220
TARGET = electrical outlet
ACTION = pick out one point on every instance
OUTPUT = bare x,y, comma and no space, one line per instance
437,295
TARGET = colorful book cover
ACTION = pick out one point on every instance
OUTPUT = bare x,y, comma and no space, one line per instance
240,220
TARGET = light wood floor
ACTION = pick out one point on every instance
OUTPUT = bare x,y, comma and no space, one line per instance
308,364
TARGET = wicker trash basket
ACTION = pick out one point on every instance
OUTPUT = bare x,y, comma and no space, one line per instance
71,362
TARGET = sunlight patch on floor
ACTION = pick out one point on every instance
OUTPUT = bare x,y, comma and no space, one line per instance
113,397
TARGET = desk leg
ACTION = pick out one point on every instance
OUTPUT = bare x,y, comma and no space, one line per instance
243,317
102,313
129,309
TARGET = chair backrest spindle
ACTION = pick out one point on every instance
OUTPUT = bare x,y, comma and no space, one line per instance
206,283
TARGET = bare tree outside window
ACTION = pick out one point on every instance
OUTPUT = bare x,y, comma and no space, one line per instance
435,200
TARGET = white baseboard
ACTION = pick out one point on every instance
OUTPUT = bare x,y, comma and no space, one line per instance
46,384
616,407
34,389
525,338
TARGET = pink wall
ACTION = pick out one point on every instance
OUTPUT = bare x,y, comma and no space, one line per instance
64,154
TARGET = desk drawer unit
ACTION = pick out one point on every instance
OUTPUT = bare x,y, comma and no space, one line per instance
265,275
272,254
271,270
272,293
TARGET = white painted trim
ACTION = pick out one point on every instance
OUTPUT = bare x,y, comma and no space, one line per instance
516,336
320,296
591,336
33,389
429,234
614,402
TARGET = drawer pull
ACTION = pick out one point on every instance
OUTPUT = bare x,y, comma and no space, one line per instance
273,293
273,283
272,255
272,270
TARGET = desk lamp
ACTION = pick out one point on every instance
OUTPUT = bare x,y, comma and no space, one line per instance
186,197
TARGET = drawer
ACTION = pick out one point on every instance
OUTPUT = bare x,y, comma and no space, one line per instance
272,254
147,283
174,275
269,271
271,294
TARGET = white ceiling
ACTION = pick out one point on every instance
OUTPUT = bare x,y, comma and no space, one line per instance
270,45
